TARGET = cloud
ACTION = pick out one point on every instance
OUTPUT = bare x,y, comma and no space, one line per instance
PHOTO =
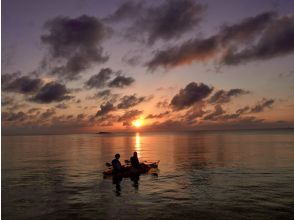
165,21
195,112
103,120
222,96
103,78
105,95
132,59
243,110
276,40
129,101
258,107
34,110
245,30
218,110
190,95
264,103
11,116
168,125
121,82
62,106
105,109
129,116
160,115
6,101
76,42
127,10
192,50
20,84
162,104
229,116
12,104
51,92
47,114
81,116
99,80
230,38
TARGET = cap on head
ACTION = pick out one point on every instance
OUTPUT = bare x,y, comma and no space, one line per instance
117,156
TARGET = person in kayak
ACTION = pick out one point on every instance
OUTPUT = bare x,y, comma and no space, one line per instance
135,161
116,164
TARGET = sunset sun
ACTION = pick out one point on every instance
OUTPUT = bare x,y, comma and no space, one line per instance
138,123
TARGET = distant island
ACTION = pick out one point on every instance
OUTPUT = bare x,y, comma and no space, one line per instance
103,132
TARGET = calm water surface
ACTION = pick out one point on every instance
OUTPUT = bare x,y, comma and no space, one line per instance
202,175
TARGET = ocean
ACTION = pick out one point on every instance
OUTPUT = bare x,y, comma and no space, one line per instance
201,175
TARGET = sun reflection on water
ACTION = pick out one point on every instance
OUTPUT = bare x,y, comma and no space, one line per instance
138,143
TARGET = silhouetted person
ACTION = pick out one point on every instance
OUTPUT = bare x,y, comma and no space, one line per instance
116,180
135,161
117,168
135,179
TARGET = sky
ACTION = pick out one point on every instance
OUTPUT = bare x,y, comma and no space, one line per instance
84,66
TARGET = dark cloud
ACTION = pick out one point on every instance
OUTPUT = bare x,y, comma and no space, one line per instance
129,101
12,104
160,115
194,113
51,92
9,77
103,120
47,114
229,116
69,117
222,96
276,40
218,110
121,82
192,50
229,39
243,110
106,95
166,21
62,106
168,125
131,59
129,116
81,116
259,107
11,116
105,109
102,79
264,103
127,10
34,110
76,42
246,30
190,95
99,80
6,101
20,84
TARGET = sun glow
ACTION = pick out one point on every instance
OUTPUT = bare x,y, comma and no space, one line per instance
138,123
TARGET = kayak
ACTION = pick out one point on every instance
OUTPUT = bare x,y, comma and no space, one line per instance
128,170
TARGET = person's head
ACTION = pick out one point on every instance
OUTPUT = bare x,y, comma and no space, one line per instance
135,154
117,156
